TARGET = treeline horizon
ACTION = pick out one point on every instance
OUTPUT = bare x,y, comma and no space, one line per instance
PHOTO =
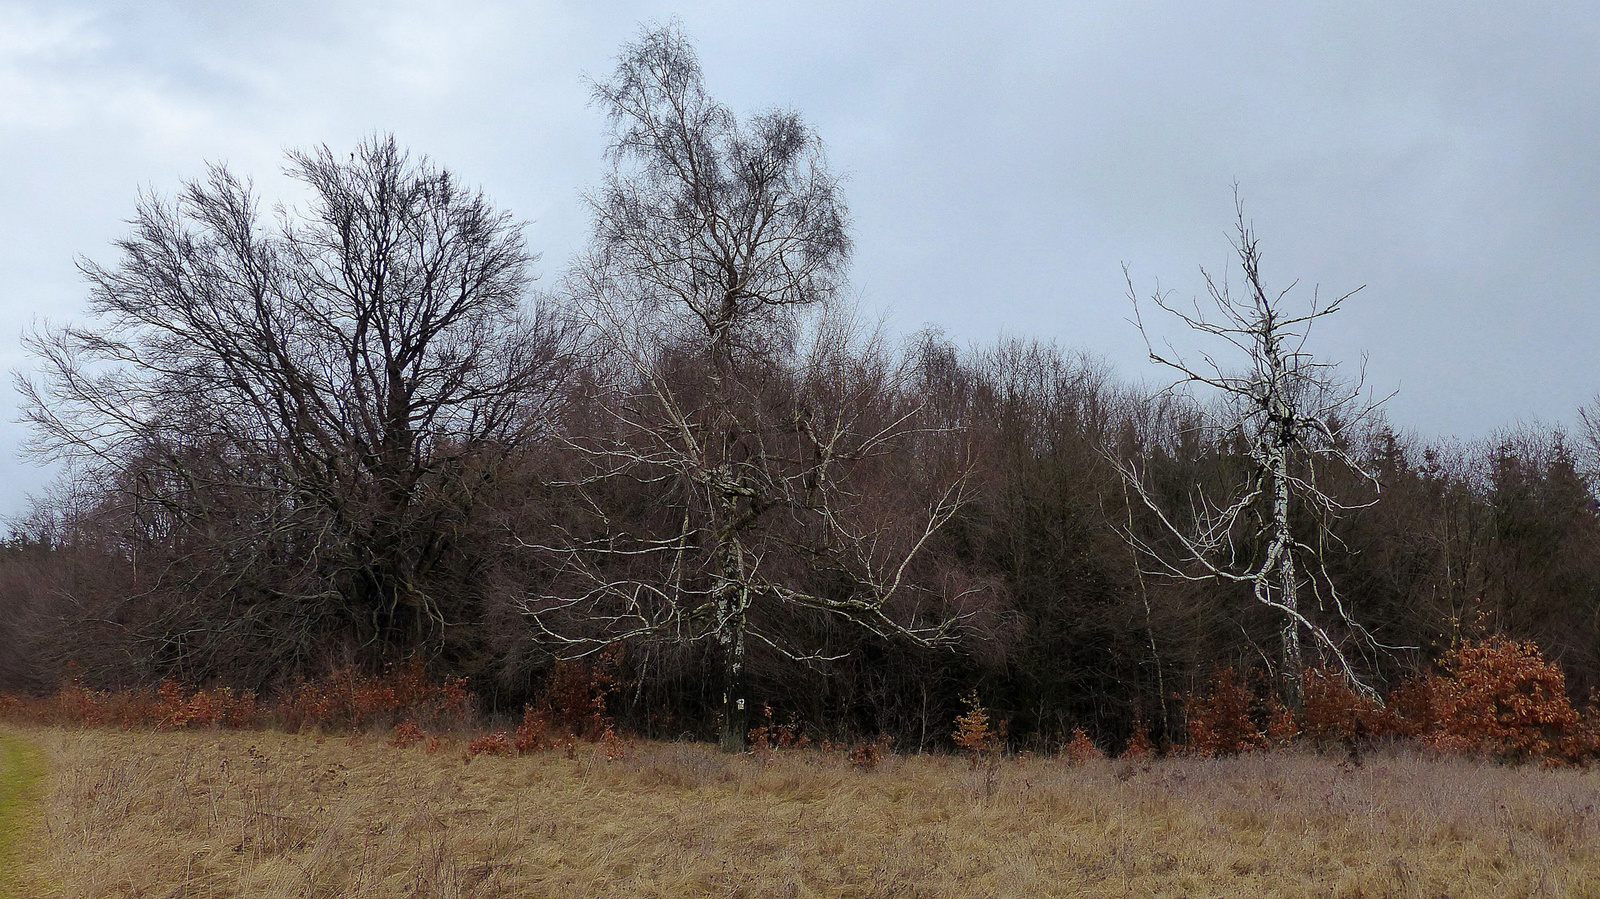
354,436
1497,536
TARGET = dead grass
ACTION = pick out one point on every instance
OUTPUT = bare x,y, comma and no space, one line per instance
266,815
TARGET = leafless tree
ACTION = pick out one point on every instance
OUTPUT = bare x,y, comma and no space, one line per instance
745,409
304,412
1294,417
1589,441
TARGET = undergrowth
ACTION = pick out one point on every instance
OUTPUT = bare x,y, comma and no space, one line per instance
1493,697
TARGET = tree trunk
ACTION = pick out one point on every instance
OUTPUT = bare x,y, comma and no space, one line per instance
1282,567
735,711
734,604
735,705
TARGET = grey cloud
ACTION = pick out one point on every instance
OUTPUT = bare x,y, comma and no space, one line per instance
1003,160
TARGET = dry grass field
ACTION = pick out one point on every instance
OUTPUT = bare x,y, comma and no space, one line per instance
262,814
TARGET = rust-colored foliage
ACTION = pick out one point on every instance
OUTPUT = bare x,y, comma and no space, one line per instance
77,704
344,701
168,707
869,755
1139,745
1283,725
572,707
1494,697
535,733
1584,744
1081,749
1501,697
1413,707
615,746
1219,719
769,737
350,700
1333,712
220,707
574,699
497,743
407,734
973,731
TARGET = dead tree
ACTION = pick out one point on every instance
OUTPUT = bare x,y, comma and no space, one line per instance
1293,417
756,424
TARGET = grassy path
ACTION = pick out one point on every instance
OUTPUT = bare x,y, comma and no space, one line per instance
21,776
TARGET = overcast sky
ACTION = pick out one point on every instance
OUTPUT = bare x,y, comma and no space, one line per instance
1003,160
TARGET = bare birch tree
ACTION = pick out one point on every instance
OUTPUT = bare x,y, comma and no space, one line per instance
746,410
1293,417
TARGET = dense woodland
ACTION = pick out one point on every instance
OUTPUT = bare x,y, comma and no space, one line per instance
358,434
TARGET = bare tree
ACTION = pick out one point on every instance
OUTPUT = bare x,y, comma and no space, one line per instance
303,414
1589,441
1293,416
751,417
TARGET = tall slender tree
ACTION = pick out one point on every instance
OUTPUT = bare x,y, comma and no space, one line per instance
1291,417
741,401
